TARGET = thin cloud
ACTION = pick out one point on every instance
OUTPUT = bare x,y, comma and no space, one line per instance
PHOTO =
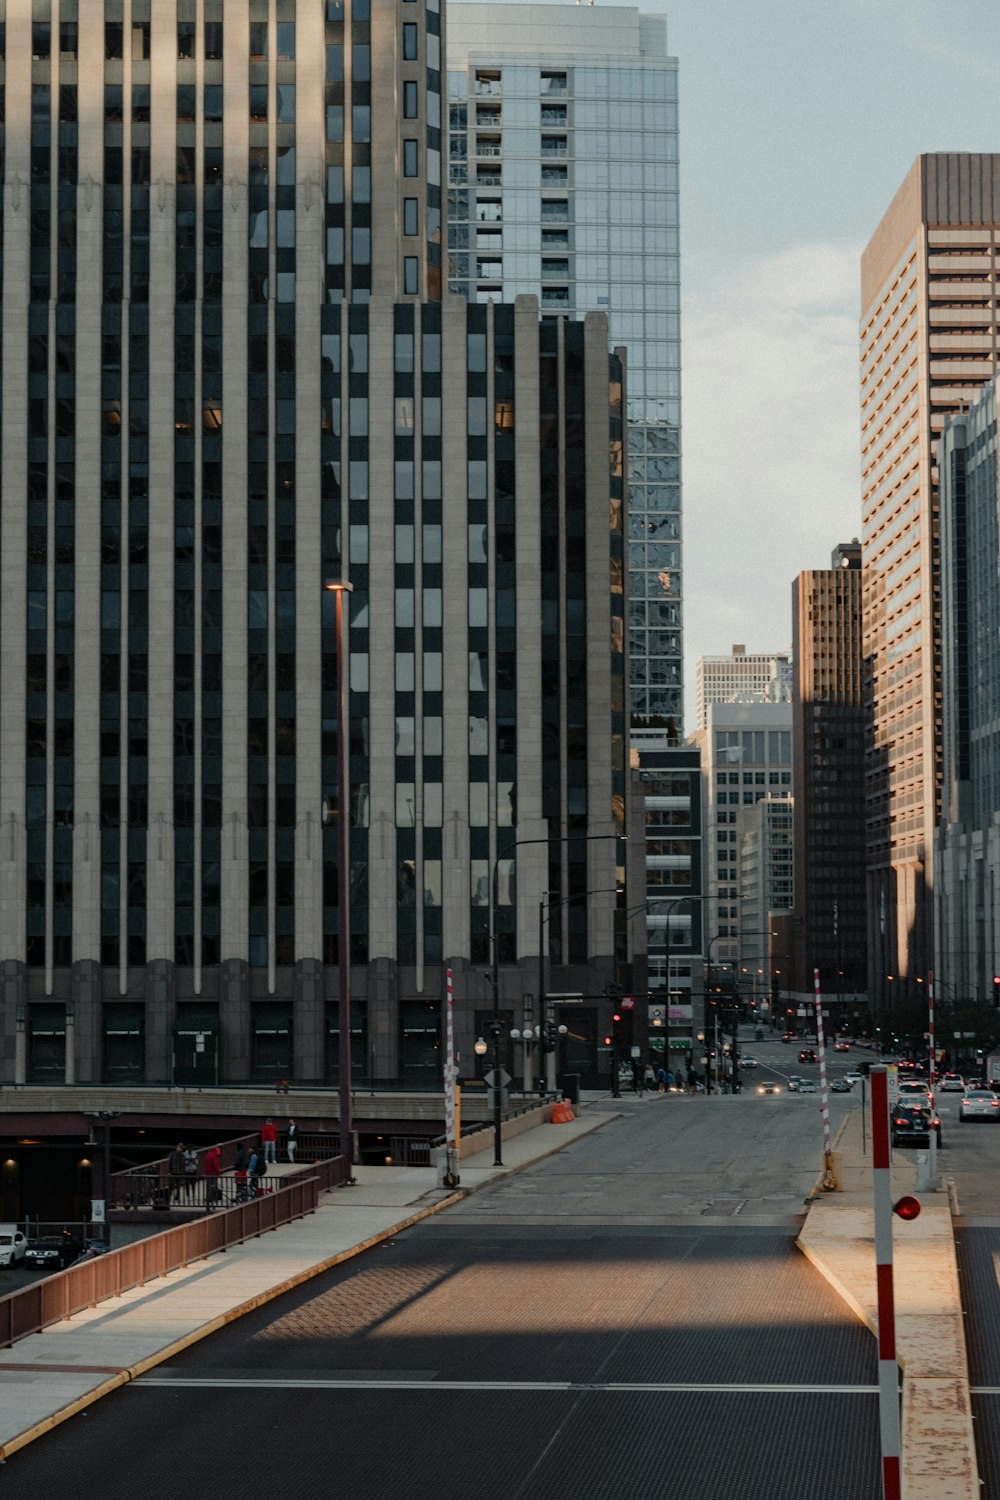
770,441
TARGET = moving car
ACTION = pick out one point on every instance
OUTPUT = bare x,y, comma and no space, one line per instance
841,1086
912,1090
951,1083
807,1086
789,1036
979,1104
51,1253
841,1046
770,1087
852,1078
12,1245
807,1055
794,1083
748,1061
912,1124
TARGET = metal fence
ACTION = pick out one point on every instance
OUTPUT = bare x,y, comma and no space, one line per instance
88,1282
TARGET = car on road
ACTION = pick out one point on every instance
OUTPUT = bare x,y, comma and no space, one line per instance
769,1087
749,1061
912,1089
912,1124
807,1055
841,1086
807,1086
794,1083
853,1078
841,1046
979,1104
951,1083
12,1245
789,1036
51,1252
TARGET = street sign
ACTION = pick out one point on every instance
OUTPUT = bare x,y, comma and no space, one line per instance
491,1098
491,1078
628,1002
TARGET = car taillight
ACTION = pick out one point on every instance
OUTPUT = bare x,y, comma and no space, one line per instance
900,1122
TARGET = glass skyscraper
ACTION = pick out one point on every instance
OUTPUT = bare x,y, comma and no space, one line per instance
563,165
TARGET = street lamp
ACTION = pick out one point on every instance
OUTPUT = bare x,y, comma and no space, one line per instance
339,587
480,1047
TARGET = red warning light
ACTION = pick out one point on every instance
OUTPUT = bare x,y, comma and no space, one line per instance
906,1208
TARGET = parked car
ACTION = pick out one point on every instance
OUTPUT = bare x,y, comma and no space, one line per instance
979,1104
951,1083
51,1252
912,1124
807,1055
12,1245
769,1087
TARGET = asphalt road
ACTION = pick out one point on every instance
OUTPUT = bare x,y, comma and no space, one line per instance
629,1318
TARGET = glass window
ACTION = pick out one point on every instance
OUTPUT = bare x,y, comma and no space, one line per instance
404,544
411,217
405,738
433,734
478,608
479,735
405,671
404,608
432,544
410,275
409,100
410,158
433,681
409,42
403,345
432,601
404,416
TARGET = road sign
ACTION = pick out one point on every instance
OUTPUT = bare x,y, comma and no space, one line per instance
491,1078
491,1098
628,1002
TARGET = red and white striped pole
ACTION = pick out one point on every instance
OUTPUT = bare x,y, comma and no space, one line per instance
450,1080
932,1149
888,1369
829,1181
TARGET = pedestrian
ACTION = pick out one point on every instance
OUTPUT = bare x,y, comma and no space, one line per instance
212,1165
175,1165
637,1077
291,1140
240,1173
649,1077
268,1139
190,1173
661,1080
254,1168
692,1081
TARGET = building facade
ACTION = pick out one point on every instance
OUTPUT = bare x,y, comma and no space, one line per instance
767,886
746,756
828,778
230,377
741,677
929,328
967,883
563,184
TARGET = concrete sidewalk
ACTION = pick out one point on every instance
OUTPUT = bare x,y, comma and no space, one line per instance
50,1376
938,1449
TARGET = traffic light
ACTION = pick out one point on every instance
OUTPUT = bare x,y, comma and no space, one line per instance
996,990
775,990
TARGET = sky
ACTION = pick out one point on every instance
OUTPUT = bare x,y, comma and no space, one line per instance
798,120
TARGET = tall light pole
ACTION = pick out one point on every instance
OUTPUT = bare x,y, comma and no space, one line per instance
339,587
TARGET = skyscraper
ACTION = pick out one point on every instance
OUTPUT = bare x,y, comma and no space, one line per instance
929,328
828,778
741,677
563,183
230,376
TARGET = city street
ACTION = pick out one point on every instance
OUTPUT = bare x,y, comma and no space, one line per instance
629,1316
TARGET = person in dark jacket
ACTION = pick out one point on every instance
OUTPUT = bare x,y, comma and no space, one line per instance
175,1166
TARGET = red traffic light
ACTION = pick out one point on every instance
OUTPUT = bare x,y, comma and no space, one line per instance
906,1208
607,1041
616,1019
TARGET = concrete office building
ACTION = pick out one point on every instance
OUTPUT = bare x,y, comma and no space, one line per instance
741,677
229,376
828,755
967,864
746,756
929,328
563,184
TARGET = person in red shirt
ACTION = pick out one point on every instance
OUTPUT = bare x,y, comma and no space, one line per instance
211,1166
268,1139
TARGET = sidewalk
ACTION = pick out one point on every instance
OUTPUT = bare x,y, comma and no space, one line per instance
938,1449
50,1376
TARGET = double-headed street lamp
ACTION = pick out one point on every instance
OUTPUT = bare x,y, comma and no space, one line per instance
339,587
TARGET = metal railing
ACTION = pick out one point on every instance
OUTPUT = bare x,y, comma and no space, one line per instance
57,1297
121,1186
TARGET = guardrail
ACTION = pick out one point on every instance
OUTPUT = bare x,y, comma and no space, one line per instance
58,1297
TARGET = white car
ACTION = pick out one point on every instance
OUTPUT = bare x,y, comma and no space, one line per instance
979,1104
852,1078
807,1086
794,1083
13,1244
915,1091
749,1061
951,1083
